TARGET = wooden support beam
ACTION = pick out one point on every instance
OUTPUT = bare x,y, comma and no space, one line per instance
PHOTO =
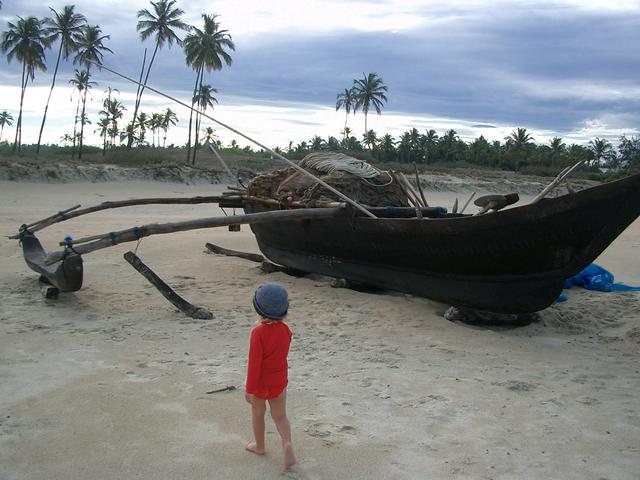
254,257
166,291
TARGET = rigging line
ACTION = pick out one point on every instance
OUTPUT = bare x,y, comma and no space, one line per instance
273,152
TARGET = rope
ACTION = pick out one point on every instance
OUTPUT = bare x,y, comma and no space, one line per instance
331,162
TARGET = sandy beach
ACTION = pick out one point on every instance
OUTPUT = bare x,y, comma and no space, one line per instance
109,382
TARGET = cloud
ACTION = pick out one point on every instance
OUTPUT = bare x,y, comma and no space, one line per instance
549,66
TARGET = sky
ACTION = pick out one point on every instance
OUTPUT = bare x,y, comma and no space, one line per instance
564,68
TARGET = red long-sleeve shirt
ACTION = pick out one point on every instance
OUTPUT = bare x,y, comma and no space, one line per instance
267,370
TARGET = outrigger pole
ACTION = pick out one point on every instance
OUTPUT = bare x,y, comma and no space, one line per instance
97,242
228,127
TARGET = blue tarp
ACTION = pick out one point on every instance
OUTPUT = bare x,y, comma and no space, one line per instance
594,277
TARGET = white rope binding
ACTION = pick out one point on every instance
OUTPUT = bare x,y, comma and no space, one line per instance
329,162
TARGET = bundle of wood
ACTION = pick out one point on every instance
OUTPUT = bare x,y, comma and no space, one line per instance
357,179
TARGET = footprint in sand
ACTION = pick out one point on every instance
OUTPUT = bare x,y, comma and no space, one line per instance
516,385
329,432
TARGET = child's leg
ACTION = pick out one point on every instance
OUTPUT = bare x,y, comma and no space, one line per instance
258,407
279,414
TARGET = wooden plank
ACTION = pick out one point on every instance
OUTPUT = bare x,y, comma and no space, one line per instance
166,291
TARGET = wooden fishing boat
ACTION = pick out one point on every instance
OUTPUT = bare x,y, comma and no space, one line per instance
509,261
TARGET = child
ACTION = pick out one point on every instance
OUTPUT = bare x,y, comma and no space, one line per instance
267,371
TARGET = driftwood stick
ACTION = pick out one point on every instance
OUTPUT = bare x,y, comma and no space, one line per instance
467,202
405,187
166,291
62,216
254,257
557,181
424,200
398,180
228,388
136,233
412,189
267,267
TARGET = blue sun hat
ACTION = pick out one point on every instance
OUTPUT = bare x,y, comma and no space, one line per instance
271,301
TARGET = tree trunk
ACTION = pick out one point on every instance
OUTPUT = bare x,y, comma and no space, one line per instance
75,128
46,108
138,95
84,107
195,90
23,86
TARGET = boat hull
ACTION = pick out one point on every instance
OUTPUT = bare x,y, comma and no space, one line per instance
512,261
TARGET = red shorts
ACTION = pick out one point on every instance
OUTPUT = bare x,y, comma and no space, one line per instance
268,393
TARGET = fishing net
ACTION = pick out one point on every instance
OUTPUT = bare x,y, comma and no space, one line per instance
357,179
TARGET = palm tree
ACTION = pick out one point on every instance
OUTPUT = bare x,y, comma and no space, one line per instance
386,147
370,139
333,144
169,119
81,83
414,145
65,26
345,100
103,129
557,149
66,138
317,144
160,23
25,40
368,91
114,109
404,147
209,135
429,144
448,142
601,149
154,125
203,99
346,132
90,50
141,125
518,143
206,49
520,138
5,119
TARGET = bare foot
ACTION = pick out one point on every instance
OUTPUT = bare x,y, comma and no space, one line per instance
252,447
289,458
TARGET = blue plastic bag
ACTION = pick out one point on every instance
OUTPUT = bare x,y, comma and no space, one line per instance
594,277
